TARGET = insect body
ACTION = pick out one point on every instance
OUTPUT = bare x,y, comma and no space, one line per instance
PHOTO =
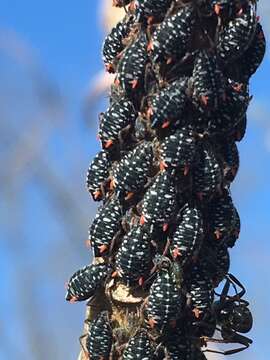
178,150
105,226
139,347
164,300
113,44
85,282
207,175
99,339
151,9
178,345
159,203
172,37
230,157
133,259
131,66
236,37
119,115
208,82
97,173
130,174
168,105
188,235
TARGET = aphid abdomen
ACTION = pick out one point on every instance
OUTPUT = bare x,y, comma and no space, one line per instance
139,347
133,259
178,149
130,174
119,115
100,338
113,43
84,282
151,9
172,37
131,66
188,235
168,106
97,173
105,225
164,300
236,37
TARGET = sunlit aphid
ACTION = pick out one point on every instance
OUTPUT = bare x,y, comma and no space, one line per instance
236,37
97,173
171,39
230,158
85,282
116,119
207,174
201,292
100,338
208,83
130,70
178,345
253,57
113,43
164,301
151,10
105,226
130,174
133,259
221,215
159,203
178,150
167,107
188,235
139,347
230,113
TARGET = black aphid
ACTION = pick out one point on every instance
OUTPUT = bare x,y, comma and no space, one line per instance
151,10
139,347
100,338
97,173
117,118
85,282
105,226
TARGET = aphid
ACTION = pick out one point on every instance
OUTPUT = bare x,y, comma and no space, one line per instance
235,232
105,226
133,259
230,159
164,301
208,83
159,203
97,173
236,37
200,289
253,57
151,9
178,150
188,235
85,282
100,338
130,174
139,347
113,43
118,117
172,38
227,9
131,66
240,129
207,175
221,213
168,106
231,112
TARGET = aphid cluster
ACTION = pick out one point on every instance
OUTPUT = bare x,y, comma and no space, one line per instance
162,236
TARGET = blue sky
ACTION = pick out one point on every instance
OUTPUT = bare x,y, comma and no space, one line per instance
57,44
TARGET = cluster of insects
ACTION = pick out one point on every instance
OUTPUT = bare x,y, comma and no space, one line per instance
162,236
